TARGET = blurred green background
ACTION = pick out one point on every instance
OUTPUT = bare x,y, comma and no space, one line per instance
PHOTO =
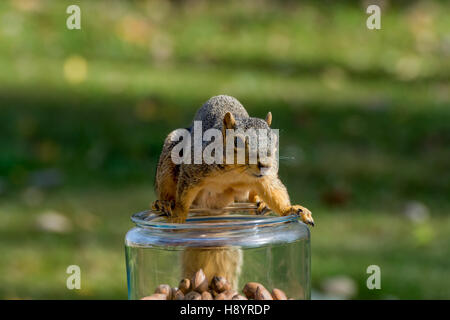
364,118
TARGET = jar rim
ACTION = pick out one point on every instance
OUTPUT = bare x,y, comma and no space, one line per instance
238,215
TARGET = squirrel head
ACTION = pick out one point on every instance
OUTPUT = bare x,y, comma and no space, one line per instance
254,144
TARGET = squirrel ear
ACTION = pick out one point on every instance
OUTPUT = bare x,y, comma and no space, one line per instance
228,121
269,118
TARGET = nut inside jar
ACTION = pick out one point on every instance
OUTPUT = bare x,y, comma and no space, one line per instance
219,288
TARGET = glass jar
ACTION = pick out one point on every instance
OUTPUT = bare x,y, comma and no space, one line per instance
233,243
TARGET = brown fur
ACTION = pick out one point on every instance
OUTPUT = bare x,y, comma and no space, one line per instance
178,187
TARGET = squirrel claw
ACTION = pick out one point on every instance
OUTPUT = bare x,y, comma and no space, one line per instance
303,213
262,208
163,206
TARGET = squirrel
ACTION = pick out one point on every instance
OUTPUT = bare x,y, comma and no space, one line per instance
180,186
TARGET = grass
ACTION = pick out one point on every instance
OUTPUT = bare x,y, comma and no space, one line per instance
363,113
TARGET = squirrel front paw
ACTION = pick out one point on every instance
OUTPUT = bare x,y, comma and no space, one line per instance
176,219
261,208
164,206
304,214
167,208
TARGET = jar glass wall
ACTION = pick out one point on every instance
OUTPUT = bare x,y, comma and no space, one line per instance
233,243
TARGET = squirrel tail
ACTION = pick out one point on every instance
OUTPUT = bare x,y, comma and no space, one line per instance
224,261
